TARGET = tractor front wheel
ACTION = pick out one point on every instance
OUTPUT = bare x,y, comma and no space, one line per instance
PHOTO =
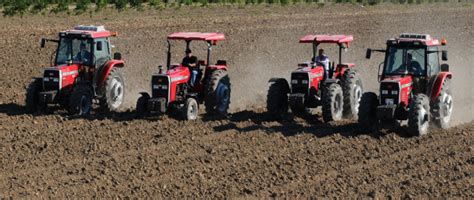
443,106
419,115
80,102
218,90
353,89
114,90
367,115
141,108
190,109
32,95
333,102
277,98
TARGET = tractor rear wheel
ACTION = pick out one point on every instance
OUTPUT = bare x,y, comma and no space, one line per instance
443,106
80,102
190,109
32,95
333,102
277,98
353,89
367,115
419,115
217,90
141,108
114,90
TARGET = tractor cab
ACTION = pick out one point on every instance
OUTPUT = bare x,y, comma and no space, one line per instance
176,87
210,39
342,41
411,80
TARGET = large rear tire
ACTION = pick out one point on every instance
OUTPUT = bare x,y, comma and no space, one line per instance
114,90
277,98
333,102
80,102
32,95
353,89
190,109
367,115
419,115
442,108
218,91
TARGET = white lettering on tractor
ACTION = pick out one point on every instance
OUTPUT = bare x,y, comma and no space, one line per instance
70,73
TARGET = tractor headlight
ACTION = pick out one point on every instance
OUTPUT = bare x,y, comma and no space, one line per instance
294,81
384,91
394,92
164,87
389,101
305,81
156,86
56,79
45,79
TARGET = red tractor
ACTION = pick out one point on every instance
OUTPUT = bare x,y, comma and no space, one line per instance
82,70
414,86
337,89
172,89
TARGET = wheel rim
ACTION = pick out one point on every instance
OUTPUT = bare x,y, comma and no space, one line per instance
447,107
423,120
222,97
192,111
116,93
357,97
84,105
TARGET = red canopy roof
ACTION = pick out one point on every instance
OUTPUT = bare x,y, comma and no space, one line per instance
327,39
196,36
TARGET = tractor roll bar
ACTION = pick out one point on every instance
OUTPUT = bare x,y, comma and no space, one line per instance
188,45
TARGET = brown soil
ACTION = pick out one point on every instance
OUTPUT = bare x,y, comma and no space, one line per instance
247,155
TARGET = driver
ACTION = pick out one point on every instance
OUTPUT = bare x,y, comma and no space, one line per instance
83,55
191,61
322,59
413,65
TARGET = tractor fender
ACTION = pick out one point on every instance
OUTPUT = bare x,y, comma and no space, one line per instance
282,81
217,67
438,84
106,70
145,94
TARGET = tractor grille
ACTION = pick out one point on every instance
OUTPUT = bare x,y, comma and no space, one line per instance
51,80
160,86
299,83
389,90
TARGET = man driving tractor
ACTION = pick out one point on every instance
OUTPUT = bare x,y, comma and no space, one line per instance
83,55
323,60
191,62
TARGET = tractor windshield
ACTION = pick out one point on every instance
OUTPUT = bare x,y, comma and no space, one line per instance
403,60
76,50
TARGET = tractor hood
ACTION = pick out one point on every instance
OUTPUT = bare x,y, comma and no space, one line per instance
178,74
402,81
395,90
60,77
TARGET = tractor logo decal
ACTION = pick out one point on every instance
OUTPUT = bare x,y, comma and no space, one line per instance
179,78
406,85
70,73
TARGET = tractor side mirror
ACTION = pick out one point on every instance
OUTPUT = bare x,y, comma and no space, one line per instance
43,42
117,56
99,46
445,67
444,55
368,54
